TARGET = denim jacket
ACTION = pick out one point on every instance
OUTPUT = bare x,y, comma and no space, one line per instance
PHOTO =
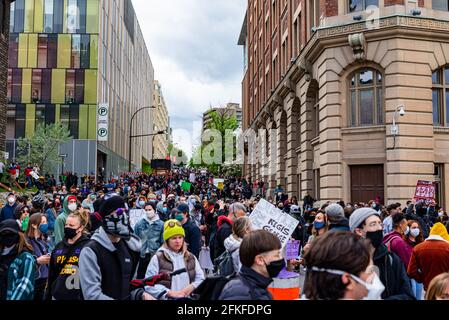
151,234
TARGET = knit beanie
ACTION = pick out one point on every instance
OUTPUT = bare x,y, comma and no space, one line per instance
173,228
110,205
359,216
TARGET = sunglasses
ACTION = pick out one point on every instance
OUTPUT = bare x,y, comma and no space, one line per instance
25,211
172,224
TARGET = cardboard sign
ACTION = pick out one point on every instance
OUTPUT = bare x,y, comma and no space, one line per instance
425,190
135,215
292,249
267,217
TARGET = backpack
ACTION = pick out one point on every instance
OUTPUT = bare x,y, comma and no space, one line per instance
224,265
210,289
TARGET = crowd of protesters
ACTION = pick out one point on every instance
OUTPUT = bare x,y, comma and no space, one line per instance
73,240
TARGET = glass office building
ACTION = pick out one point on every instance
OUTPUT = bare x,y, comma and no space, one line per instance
66,57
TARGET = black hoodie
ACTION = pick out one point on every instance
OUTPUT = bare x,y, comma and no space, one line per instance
393,275
64,262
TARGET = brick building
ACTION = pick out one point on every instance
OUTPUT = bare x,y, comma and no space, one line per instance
4,40
329,77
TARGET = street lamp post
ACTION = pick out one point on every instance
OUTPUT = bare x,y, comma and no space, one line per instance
138,136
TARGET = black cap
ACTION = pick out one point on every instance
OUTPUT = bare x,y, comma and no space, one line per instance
110,205
10,225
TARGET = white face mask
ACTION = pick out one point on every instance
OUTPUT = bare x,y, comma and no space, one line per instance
72,207
11,200
375,288
151,214
407,231
414,232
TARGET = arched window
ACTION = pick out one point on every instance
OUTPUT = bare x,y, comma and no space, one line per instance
366,98
440,96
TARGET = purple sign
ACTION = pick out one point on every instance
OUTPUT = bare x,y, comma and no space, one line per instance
292,249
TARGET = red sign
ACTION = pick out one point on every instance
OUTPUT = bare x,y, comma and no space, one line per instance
425,190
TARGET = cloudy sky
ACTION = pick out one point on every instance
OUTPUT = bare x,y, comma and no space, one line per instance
193,47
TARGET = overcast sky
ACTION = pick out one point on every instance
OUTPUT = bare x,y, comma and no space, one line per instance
193,47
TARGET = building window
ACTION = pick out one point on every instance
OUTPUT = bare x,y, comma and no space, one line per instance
70,87
440,5
297,36
16,86
2,16
314,14
46,86
13,54
19,16
361,5
52,51
316,184
42,51
439,183
366,98
36,86
440,96
315,115
20,121
40,114
48,16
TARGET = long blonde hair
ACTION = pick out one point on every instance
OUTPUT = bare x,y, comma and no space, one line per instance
437,286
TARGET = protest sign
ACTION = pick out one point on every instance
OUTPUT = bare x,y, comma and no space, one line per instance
192,178
219,183
267,217
292,249
186,186
425,190
135,215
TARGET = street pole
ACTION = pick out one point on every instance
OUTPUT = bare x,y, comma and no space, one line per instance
131,134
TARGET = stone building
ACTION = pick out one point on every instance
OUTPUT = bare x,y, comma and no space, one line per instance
330,77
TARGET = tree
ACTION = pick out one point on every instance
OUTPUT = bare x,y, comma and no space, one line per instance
218,148
42,148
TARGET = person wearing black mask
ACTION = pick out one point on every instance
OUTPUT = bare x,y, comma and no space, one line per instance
110,259
366,223
261,258
63,276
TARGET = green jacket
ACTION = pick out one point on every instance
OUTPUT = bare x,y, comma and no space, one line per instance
60,221
21,277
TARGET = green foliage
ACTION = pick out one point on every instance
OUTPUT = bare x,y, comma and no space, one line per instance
146,168
42,148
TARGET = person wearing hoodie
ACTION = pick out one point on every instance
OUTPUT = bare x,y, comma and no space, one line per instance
192,231
236,211
394,240
431,257
366,223
336,218
418,216
240,228
8,210
150,230
69,205
261,258
174,256
108,262
64,260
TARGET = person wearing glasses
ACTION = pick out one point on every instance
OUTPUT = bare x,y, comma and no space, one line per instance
108,262
174,256
22,216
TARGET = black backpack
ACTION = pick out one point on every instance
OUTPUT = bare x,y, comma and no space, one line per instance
211,288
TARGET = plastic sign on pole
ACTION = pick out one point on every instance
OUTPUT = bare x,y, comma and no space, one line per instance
103,122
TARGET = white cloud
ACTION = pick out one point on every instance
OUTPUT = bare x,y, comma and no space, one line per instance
193,47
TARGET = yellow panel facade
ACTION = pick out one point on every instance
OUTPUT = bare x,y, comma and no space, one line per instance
92,16
64,50
32,50
30,120
26,85
38,16
90,86
92,134
23,51
58,86
29,16
93,51
58,113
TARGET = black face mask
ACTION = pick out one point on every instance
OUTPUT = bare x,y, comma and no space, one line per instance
69,233
9,240
376,238
275,267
